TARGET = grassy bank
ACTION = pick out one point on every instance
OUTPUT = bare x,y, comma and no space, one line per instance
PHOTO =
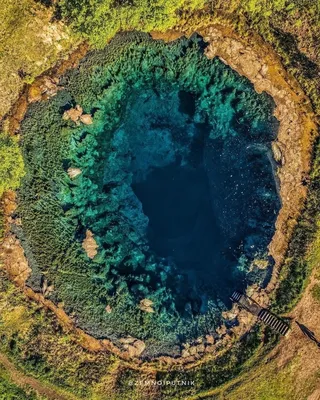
10,391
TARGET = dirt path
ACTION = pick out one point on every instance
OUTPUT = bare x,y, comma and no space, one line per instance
307,312
23,381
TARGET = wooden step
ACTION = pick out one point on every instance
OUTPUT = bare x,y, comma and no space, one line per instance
273,321
263,314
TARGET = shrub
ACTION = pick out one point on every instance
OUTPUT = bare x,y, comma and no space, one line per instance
99,20
12,166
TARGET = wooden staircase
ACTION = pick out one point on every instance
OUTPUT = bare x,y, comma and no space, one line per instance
273,321
263,314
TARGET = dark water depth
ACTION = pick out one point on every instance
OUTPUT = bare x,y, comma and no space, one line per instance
207,210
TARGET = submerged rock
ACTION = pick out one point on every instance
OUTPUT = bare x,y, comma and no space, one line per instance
90,245
146,305
74,172
73,114
86,119
76,115
108,309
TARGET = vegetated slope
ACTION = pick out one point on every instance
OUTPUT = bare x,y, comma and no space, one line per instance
14,384
30,43
10,389
12,167
100,21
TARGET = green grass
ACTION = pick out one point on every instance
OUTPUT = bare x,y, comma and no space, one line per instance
12,166
315,291
10,391
98,21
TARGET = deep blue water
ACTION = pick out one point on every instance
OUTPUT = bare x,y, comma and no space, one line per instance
208,210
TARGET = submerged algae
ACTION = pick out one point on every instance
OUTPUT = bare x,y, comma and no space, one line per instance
159,111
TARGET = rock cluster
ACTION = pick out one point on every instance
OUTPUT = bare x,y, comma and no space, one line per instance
76,115
192,351
146,305
46,87
134,347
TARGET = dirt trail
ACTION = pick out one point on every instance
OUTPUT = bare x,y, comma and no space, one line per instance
307,312
27,381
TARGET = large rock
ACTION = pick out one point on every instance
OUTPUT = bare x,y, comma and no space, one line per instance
90,245
135,347
15,260
127,340
146,305
73,114
74,172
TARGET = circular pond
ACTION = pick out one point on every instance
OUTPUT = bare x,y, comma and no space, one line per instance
150,191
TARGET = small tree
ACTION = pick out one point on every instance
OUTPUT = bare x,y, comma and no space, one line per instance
11,163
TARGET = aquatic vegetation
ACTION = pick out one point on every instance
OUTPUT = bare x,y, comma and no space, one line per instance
126,119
